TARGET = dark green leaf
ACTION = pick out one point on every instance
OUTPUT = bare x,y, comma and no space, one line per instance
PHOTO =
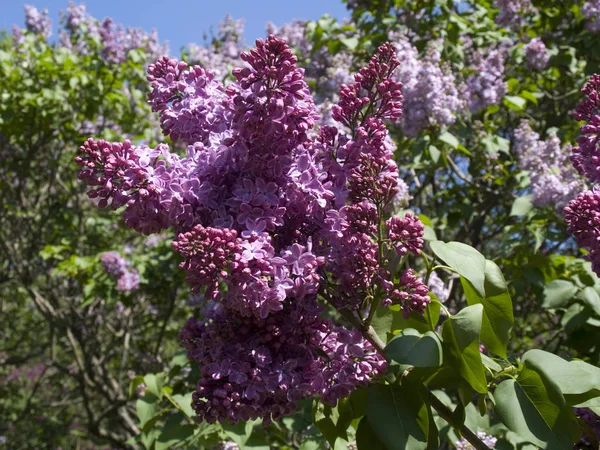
413,349
467,261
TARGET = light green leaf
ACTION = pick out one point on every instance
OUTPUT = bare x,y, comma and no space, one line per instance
514,102
146,408
413,349
521,206
558,293
185,403
533,407
467,261
498,317
590,297
449,139
461,346
398,416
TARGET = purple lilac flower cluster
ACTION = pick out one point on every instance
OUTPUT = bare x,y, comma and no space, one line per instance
486,85
592,420
38,22
514,13
115,265
591,11
537,54
270,216
488,440
431,94
582,215
554,182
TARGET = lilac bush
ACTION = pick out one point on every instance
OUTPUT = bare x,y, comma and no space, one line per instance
270,216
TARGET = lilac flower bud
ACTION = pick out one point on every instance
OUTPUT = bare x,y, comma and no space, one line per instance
406,234
582,217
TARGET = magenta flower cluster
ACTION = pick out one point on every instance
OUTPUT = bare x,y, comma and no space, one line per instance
128,279
582,215
271,215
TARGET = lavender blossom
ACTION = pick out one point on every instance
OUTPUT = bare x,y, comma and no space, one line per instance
38,22
486,85
591,11
553,180
436,286
514,13
537,54
115,265
487,439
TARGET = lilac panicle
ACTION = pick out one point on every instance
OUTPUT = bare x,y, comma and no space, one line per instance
406,234
128,279
586,155
582,217
591,11
537,54
270,214
38,22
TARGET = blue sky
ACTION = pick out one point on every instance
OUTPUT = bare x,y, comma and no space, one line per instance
180,21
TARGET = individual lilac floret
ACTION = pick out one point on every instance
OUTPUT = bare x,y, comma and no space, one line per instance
582,217
514,13
591,11
128,279
411,294
406,234
586,156
487,439
38,22
252,368
537,54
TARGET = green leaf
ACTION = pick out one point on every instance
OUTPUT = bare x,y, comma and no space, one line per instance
173,433
558,293
413,349
461,346
146,408
467,261
154,383
366,439
575,377
435,153
185,403
398,416
498,317
521,206
533,407
590,297
514,102
333,422
240,432
349,42
449,139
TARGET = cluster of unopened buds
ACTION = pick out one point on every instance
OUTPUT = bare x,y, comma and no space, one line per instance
274,220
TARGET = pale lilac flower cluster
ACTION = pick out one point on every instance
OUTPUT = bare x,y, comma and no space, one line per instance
115,265
514,13
537,54
437,287
488,440
486,86
553,180
431,95
38,22
269,217
85,34
592,420
591,11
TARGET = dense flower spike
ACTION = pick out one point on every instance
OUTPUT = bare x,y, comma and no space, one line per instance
128,279
486,85
406,234
583,220
553,180
591,11
260,368
38,22
586,156
537,54
270,214
411,294
431,94
514,13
